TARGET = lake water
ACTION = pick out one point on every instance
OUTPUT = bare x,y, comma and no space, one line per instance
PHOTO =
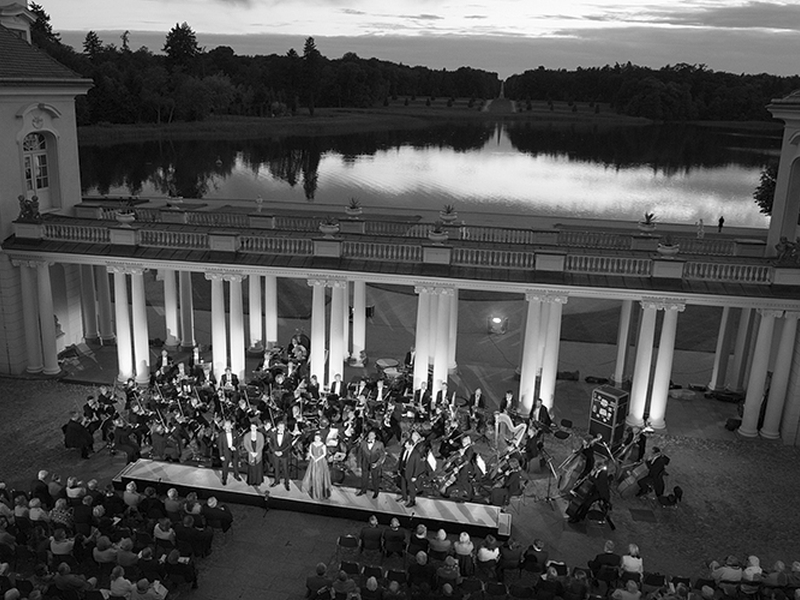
680,172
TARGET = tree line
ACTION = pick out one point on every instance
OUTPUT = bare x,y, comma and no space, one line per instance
187,83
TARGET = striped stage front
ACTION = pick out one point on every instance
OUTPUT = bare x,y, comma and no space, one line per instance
475,519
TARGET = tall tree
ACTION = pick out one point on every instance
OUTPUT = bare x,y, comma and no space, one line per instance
764,194
312,69
41,29
181,47
92,45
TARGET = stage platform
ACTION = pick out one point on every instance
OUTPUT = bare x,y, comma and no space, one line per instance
454,517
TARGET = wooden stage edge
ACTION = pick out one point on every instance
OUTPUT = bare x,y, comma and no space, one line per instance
453,517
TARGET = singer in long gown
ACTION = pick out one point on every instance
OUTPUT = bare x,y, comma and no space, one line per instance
254,445
317,480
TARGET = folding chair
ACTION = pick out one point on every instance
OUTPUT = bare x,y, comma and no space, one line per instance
371,571
396,575
346,544
351,568
494,589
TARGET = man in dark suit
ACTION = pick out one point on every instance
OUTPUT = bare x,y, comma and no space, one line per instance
539,414
371,456
280,445
77,436
410,467
217,515
227,443
229,382
372,535
337,386
656,469
318,583
422,397
394,539
608,558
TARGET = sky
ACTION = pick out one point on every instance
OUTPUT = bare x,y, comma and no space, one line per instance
501,36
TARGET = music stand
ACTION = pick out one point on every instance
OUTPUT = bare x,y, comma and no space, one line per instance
551,474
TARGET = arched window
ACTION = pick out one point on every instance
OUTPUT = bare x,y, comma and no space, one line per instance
37,177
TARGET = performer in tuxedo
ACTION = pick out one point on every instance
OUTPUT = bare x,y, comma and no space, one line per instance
227,443
411,466
600,491
337,386
441,395
380,394
656,469
371,456
422,398
508,404
229,382
165,367
409,359
540,414
477,400
280,445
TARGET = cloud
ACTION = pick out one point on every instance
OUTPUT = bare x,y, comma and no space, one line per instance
351,11
751,15
422,17
475,17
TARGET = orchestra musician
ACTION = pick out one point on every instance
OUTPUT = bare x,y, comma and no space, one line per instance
337,386
539,414
165,367
228,452
441,395
509,485
410,467
599,491
587,451
656,470
371,456
476,407
460,470
422,400
229,381
508,404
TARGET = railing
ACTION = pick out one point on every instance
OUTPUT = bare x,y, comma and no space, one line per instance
173,239
77,233
608,265
594,239
497,235
743,273
260,244
382,251
482,257
218,219
708,247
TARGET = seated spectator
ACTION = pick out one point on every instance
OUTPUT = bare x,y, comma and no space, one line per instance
74,490
777,576
371,537
536,555
104,551
730,572
131,496
83,516
21,507
113,502
39,543
145,590
318,582
608,558
192,505
181,566
371,590
510,558
629,592
488,550
752,571
65,580
61,514
440,544
55,488
421,573
448,572
96,494
794,575
119,586
217,515
151,505
550,586
163,531
41,578
173,504
465,553
344,585
151,568
126,557
631,565
12,594
418,541
393,592
6,538
36,512
40,490
60,545
394,539
577,587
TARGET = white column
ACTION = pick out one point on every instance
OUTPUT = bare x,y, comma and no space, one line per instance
452,365
237,363
422,336
256,343
187,309
271,311
30,317
141,342
171,317
317,350
623,333
740,351
346,322
123,321
547,388
440,356
780,377
88,303
336,347
723,351
47,321
758,373
644,358
359,321
666,352
530,345
219,341
105,324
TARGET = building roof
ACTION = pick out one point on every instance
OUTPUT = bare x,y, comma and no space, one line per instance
24,64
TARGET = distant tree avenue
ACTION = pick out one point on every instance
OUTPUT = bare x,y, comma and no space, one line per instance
189,83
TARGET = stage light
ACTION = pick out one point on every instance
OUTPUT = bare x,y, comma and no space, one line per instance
497,325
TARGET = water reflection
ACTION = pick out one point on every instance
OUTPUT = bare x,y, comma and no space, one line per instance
682,172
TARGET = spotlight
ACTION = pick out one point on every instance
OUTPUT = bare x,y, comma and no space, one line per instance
497,325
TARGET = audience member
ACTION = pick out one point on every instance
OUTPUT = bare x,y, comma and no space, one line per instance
344,585
120,586
632,566
536,557
420,572
629,592
394,539
511,554
371,590
419,541
549,586
319,582
465,553
61,514
182,567
218,516
146,590
448,572
440,544
371,537
65,580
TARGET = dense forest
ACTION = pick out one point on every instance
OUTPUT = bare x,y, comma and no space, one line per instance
183,82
